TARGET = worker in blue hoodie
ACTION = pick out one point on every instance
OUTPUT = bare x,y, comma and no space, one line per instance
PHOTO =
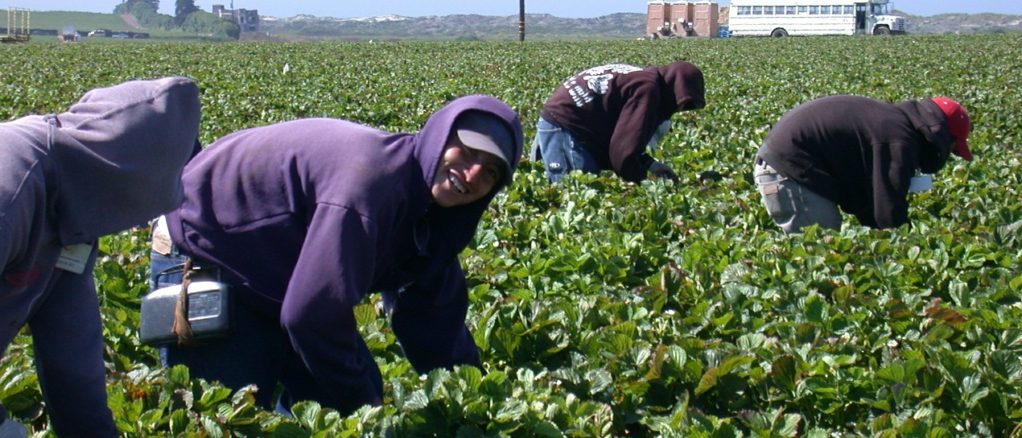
304,219
113,160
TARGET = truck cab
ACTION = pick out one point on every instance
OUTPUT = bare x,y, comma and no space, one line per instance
881,20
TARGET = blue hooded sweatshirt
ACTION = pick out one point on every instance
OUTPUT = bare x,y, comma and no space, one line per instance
111,161
310,216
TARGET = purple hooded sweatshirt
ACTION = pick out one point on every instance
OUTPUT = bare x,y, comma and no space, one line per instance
614,110
310,216
111,161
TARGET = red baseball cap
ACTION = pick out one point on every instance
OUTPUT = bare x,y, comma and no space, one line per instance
957,123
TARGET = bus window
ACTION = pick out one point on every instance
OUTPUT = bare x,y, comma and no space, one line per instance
814,10
849,10
825,10
803,9
790,10
879,8
757,10
768,10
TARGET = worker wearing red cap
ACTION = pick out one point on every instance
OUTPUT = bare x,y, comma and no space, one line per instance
858,154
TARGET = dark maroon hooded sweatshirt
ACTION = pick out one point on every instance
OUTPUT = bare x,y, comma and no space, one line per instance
615,109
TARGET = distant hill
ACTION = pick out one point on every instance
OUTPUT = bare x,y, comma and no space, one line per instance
962,23
45,23
465,27
82,21
543,26
481,27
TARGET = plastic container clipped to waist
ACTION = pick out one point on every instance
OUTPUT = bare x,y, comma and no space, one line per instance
209,304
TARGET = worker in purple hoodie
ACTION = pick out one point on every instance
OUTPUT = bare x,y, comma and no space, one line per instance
113,160
305,218
606,117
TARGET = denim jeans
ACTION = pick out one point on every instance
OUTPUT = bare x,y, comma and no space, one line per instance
661,130
560,151
257,352
791,205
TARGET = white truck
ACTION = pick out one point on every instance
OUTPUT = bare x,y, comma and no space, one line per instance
778,18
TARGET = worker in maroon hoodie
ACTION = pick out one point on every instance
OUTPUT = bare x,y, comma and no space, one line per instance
306,218
606,117
856,153
113,160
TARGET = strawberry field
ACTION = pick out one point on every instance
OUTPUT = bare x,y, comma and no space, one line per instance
603,308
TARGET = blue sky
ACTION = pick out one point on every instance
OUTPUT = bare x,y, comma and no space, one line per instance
561,8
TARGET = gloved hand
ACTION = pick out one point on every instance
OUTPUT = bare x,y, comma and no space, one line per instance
661,170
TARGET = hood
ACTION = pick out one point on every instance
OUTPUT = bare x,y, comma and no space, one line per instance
928,120
451,229
119,152
432,139
684,82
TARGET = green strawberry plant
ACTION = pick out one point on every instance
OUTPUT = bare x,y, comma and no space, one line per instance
603,308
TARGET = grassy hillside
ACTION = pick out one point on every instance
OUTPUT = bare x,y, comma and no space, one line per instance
86,21
82,21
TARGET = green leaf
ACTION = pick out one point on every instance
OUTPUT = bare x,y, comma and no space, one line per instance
416,400
708,381
178,375
210,426
510,411
894,373
787,426
212,396
782,370
815,308
599,380
308,414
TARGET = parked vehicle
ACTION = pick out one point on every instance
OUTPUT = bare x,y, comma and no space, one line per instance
778,18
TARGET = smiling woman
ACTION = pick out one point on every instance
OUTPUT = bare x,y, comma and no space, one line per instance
475,160
304,219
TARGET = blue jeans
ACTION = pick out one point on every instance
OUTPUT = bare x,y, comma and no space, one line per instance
791,205
257,352
561,152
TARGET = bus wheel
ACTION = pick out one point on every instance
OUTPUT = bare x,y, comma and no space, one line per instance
777,33
882,30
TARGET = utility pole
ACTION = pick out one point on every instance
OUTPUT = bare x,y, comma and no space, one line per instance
521,20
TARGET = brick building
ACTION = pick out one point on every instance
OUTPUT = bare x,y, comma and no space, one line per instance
246,19
683,18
